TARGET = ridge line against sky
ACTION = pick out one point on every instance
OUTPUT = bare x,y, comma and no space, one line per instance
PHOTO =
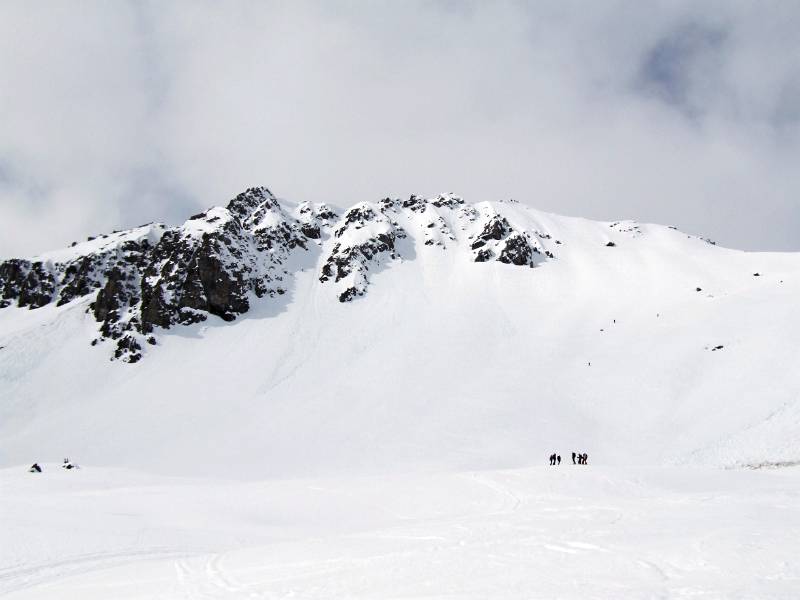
679,113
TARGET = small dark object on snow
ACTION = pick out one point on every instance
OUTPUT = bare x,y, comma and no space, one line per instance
698,289
756,274
610,245
573,458
68,465
559,459
35,468
720,347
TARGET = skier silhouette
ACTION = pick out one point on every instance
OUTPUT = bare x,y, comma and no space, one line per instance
559,459
573,458
35,468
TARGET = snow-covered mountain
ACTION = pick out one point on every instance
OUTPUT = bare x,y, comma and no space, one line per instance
222,260
283,338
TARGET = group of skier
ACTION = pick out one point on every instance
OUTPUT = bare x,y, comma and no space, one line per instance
577,459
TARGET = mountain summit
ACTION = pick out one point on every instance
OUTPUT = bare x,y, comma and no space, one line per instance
220,261
280,339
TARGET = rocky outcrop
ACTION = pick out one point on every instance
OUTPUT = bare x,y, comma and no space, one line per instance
138,283
313,219
498,240
364,239
31,284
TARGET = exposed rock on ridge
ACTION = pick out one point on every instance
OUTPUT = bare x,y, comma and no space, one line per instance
152,278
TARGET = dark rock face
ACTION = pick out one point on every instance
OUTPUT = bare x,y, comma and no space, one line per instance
498,240
516,251
155,277
484,255
314,219
496,229
78,280
31,284
135,284
364,238
447,201
213,266
128,349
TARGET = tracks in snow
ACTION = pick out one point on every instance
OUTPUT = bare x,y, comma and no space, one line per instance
206,577
17,579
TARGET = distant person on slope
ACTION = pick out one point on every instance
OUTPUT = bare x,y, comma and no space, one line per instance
559,459
35,468
573,458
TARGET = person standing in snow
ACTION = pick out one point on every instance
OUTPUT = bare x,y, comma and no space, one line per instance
35,468
573,458
559,459
585,458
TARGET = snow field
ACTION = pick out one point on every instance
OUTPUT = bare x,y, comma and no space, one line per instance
562,532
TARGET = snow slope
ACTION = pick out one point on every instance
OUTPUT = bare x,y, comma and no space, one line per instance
281,400
400,341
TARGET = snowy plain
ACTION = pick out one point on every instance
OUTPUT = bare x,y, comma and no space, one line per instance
392,447
565,532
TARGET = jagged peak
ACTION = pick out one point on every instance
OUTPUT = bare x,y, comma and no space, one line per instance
246,203
418,203
219,260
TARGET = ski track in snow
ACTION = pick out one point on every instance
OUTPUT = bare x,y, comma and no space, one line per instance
19,578
569,532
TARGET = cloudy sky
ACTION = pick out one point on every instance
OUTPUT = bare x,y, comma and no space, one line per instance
683,113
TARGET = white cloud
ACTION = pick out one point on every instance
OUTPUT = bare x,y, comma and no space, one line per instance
116,114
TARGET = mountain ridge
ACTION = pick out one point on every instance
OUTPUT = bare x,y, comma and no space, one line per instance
220,260
636,343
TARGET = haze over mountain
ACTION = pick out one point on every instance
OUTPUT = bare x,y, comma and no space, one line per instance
269,338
